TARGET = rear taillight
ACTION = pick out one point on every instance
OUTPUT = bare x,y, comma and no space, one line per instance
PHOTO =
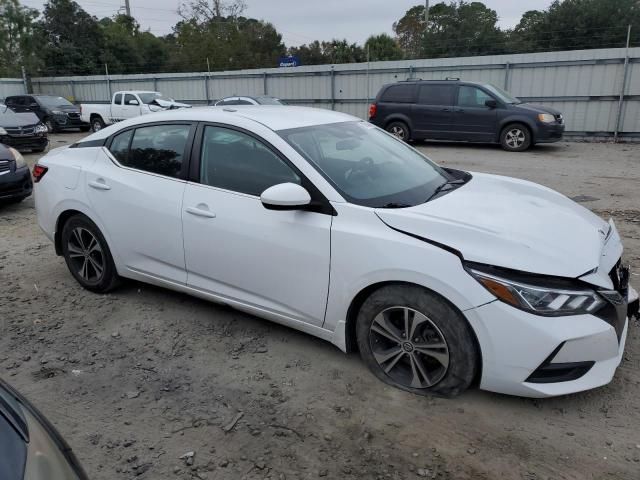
38,172
373,109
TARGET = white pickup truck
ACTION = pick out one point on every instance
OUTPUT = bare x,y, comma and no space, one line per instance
124,105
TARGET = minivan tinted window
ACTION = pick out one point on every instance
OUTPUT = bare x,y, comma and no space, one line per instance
472,97
399,93
436,94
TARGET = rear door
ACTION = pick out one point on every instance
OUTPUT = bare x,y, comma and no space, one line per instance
433,112
135,188
473,120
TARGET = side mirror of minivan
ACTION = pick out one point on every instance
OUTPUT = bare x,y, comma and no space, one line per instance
285,196
490,103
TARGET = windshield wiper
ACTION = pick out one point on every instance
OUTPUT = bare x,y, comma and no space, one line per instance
395,205
446,186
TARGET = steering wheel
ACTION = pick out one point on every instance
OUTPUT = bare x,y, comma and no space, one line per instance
364,165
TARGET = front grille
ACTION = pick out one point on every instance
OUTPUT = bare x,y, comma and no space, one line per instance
20,131
5,166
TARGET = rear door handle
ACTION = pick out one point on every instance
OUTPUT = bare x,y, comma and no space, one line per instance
99,185
446,109
199,211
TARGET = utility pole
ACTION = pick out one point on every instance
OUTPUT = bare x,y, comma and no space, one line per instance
623,88
426,17
127,8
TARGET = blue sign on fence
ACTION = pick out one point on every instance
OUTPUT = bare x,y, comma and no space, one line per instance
290,61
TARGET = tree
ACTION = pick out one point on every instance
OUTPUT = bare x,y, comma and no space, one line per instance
311,54
577,24
73,42
341,51
17,45
455,29
382,47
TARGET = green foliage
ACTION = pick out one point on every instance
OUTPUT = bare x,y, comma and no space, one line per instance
383,47
17,45
214,34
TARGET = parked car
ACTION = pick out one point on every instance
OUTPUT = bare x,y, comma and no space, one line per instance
325,223
245,100
23,131
15,177
463,111
30,446
126,104
57,113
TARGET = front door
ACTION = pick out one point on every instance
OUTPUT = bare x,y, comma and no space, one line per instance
136,188
473,120
273,261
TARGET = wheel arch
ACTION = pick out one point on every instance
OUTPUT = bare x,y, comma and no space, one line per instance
64,217
523,121
359,299
399,117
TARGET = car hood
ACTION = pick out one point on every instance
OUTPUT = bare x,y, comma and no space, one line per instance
513,224
66,108
530,107
11,119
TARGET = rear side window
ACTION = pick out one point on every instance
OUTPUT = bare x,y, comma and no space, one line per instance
117,99
436,95
236,161
157,149
399,93
472,97
120,146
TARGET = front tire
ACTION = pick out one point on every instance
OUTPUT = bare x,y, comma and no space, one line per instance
51,125
515,137
400,130
413,339
87,255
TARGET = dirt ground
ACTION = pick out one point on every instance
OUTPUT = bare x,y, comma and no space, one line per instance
140,377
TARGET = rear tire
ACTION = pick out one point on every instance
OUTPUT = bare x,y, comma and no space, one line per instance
515,137
97,124
400,130
413,339
88,256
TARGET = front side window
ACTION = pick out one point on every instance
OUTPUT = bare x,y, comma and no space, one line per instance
235,161
155,149
366,165
128,98
472,97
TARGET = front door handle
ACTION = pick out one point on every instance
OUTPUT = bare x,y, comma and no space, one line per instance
99,185
459,110
446,109
199,211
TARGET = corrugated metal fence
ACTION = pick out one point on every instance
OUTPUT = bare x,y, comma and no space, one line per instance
597,90
11,86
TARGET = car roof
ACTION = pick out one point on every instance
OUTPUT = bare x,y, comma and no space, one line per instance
274,117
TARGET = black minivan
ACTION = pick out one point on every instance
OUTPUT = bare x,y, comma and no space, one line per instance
463,111
57,113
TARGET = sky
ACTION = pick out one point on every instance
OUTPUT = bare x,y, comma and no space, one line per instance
302,21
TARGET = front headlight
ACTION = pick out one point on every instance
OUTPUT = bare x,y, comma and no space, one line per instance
2,131
534,297
546,118
17,156
57,112
41,128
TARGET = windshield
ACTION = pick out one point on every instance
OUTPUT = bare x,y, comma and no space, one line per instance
53,102
269,101
503,95
367,165
149,97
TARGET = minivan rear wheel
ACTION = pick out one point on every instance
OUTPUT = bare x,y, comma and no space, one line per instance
413,339
515,137
399,130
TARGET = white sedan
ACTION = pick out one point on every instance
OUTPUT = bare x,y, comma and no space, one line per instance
317,220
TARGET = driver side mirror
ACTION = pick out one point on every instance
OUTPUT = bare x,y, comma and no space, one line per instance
285,196
133,102
491,103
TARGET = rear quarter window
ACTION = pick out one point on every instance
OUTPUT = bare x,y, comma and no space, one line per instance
399,94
